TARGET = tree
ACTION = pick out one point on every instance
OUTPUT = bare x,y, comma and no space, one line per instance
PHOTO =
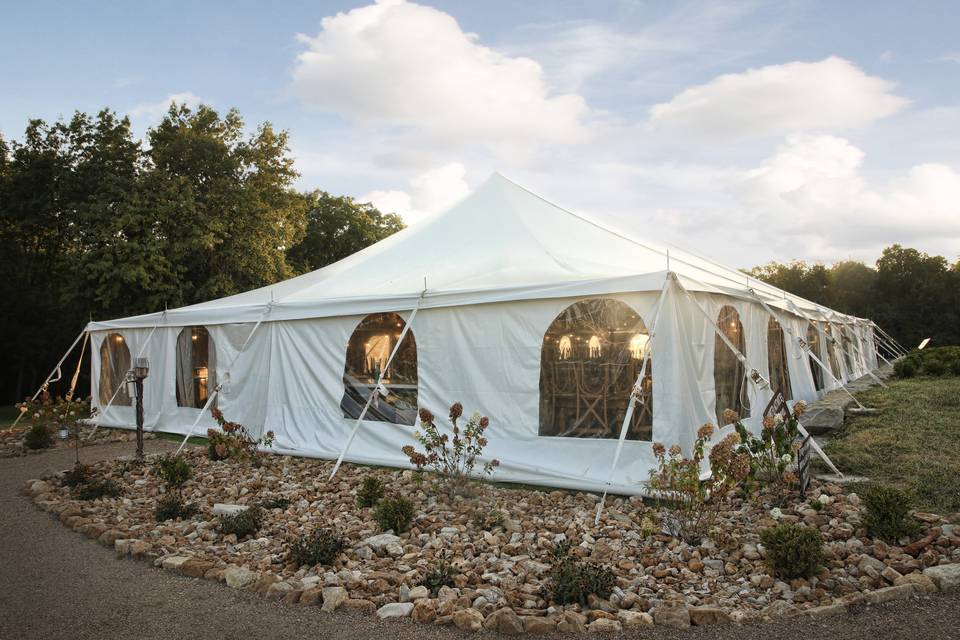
337,227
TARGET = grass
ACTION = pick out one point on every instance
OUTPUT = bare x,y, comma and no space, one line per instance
912,442
176,437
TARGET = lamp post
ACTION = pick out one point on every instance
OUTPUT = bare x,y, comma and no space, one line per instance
141,368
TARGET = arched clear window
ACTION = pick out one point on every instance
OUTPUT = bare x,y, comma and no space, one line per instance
813,339
729,374
832,351
589,362
114,365
369,349
777,360
196,367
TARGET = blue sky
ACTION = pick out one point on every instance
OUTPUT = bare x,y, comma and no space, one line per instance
749,131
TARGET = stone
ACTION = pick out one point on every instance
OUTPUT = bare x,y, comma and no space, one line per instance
173,563
139,549
780,609
869,562
418,593
424,611
923,584
395,610
333,597
239,578
278,590
467,619
823,419
221,509
604,625
313,595
945,576
889,594
109,537
293,596
826,611
539,624
359,604
504,621
195,568
572,622
38,487
634,619
890,575
674,614
601,552
379,543
701,616
122,547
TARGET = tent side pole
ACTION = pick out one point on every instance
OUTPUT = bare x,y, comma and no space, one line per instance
49,378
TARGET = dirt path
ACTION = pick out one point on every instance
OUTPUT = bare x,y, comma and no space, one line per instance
55,583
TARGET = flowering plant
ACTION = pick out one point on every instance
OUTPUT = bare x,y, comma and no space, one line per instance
774,450
456,456
693,504
233,440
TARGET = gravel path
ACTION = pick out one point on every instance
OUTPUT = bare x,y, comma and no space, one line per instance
55,583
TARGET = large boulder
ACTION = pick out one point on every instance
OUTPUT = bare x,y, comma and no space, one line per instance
504,621
333,597
672,614
395,610
238,577
945,576
468,619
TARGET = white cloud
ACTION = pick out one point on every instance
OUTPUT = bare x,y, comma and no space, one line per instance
430,192
829,95
953,56
153,111
400,64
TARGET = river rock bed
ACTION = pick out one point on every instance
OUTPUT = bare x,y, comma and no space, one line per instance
503,576
12,445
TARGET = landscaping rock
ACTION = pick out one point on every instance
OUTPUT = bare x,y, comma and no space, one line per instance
701,616
674,614
945,576
221,509
467,619
504,621
379,543
312,596
333,597
923,583
395,610
634,619
572,622
604,625
424,611
537,624
239,578
173,563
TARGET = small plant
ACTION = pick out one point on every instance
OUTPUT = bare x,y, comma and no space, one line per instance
572,580
76,476
772,452
37,437
441,575
394,513
174,471
320,547
97,488
693,505
887,513
488,519
793,551
453,457
172,507
233,441
816,505
370,492
243,523
275,503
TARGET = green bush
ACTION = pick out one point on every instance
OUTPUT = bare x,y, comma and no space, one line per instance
37,437
793,551
906,368
955,367
76,476
370,492
97,488
174,471
172,507
887,513
275,503
934,367
394,513
242,524
320,547
571,580
441,575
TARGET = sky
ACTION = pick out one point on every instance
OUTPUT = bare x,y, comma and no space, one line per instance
746,131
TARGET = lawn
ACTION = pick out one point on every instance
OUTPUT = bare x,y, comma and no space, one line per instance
912,442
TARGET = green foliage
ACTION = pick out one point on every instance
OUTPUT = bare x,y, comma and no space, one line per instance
370,492
76,476
887,513
275,503
693,505
453,457
394,513
933,361
320,547
488,519
442,574
242,524
97,488
37,437
772,452
905,368
793,550
233,441
172,507
174,471
572,580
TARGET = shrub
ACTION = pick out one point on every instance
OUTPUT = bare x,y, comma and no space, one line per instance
37,437
571,580
243,523
441,575
76,476
275,503
772,452
370,492
934,367
174,471
906,368
955,367
172,507
97,488
320,547
676,482
394,512
233,441
488,519
887,513
456,457
793,550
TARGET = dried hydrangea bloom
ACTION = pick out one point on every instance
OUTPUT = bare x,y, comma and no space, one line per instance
730,415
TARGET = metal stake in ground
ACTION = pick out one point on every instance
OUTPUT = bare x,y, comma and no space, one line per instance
137,374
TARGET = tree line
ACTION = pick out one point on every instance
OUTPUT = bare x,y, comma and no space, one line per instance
97,224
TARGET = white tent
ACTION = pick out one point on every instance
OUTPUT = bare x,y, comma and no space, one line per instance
532,315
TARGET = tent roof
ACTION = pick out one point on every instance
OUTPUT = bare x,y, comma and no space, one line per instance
500,243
